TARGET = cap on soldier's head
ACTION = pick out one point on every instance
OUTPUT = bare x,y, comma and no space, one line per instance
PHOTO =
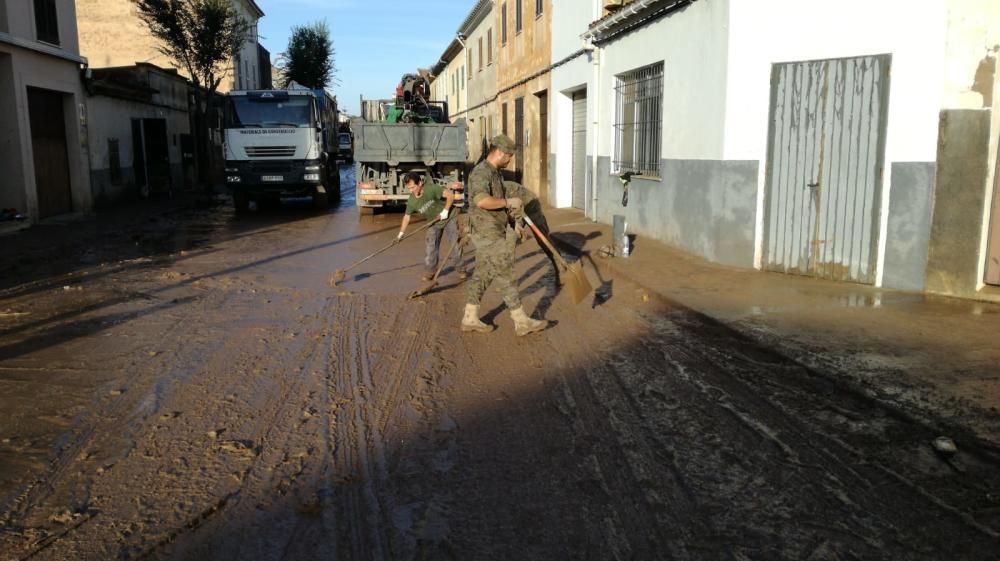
504,143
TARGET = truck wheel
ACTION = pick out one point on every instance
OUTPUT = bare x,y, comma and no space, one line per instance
334,188
241,202
321,201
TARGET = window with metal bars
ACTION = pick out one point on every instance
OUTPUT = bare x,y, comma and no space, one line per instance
503,118
47,21
639,121
539,7
518,12
480,54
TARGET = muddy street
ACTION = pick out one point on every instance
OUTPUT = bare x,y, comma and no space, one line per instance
188,387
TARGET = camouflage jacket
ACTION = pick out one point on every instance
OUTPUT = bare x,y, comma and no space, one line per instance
486,181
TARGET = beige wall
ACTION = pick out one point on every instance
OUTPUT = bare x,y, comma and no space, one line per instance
482,88
111,34
972,81
20,16
24,68
456,84
525,53
26,63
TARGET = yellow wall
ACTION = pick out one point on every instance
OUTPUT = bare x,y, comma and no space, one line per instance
525,53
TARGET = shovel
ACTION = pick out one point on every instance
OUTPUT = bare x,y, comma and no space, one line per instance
339,274
577,283
432,284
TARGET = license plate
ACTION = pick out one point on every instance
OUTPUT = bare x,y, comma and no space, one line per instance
272,178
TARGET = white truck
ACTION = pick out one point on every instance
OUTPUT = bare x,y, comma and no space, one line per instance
280,143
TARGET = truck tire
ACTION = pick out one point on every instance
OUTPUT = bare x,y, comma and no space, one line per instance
241,202
334,188
321,201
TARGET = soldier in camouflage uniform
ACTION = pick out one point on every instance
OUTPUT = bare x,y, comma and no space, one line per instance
493,217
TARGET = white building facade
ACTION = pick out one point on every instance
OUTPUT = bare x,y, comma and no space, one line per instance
851,150
42,110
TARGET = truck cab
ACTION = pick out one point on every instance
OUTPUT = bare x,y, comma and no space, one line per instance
275,145
345,147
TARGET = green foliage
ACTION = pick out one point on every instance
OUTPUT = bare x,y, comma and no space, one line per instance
200,35
309,59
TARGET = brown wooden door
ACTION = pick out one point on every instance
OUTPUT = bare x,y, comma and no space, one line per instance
543,147
48,144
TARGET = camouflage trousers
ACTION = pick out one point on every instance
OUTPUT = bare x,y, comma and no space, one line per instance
494,262
432,242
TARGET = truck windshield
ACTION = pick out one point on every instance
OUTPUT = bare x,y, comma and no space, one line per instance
247,112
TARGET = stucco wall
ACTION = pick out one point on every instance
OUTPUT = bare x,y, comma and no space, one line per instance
570,18
21,22
909,225
12,192
106,25
482,87
525,54
705,207
111,118
960,200
32,69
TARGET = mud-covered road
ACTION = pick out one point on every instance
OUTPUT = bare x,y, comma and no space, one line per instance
187,387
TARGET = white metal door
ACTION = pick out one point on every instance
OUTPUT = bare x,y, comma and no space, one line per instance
580,150
824,172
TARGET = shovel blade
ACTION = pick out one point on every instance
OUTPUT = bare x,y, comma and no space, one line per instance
423,290
576,282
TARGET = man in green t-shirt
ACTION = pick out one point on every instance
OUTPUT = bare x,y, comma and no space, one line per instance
434,203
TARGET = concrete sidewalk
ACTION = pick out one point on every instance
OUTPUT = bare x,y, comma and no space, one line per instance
939,354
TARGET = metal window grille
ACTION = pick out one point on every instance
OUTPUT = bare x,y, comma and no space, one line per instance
518,20
503,118
489,46
47,21
480,54
539,6
639,121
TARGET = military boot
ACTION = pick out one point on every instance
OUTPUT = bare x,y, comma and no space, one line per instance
471,322
523,324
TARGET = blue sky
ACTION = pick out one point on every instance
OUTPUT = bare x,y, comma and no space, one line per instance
377,41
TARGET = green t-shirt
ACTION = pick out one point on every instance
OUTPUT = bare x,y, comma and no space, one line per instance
430,203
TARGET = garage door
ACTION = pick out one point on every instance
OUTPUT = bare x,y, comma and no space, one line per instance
580,150
824,170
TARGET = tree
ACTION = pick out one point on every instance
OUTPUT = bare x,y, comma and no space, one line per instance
309,59
202,37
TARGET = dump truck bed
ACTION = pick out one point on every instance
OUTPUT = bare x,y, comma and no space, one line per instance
397,143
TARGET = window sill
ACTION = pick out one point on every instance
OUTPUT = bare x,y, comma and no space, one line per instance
643,177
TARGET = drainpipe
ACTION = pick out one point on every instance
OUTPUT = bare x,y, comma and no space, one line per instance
595,54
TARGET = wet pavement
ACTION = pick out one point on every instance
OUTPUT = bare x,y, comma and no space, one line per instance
179,382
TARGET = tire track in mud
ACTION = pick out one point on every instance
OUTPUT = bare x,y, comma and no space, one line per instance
114,419
384,419
713,408
273,510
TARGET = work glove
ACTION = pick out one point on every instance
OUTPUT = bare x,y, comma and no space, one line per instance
522,231
443,215
399,236
514,203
